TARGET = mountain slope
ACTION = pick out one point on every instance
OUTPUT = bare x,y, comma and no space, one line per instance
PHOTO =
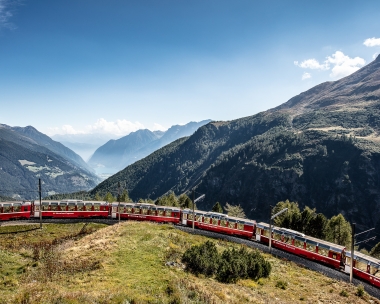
58,148
321,148
23,160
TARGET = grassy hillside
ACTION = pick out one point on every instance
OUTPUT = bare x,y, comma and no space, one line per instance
128,263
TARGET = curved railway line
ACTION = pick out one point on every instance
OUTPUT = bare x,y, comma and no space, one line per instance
325,270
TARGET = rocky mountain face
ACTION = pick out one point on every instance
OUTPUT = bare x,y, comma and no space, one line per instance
27,155
321,149
117,154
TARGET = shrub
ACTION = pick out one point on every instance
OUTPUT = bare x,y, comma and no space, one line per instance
228,267
202,259
344,293
281,284
360,291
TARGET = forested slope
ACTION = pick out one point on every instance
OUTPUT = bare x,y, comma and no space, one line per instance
321,148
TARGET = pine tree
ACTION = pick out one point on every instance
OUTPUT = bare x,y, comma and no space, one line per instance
236,211
217,208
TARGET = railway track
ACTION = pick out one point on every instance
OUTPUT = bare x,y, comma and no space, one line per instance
327,271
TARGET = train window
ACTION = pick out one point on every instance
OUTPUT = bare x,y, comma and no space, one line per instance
375,271
310,247
190,216
298,243
7,208
215,221
240,226
80,207
136,209
276,236
88,206
223,223
265,233
16,207
231,225
45,206
1,208
198,218
323,252
62,206
54,206
128,209
206,220
144,210
71,207
96,207
361,266
287,239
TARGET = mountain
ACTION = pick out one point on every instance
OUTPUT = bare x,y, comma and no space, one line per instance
117,154
83,144
26,155
321,149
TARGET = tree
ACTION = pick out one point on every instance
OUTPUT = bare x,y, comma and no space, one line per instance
98,197
217,208
339,230
288,219
109,198
375,251
185,202
236,211
124,197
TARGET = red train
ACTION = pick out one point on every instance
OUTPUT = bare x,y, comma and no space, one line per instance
365,267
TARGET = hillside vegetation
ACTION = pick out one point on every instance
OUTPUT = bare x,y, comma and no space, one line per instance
320,149
135,262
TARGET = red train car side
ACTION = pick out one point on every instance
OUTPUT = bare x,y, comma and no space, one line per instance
15,210
71,209
146,212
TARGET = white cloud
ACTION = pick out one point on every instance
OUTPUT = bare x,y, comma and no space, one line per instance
372,42
120,127
6,14
306,76
312,64
374,56
158,127
344,65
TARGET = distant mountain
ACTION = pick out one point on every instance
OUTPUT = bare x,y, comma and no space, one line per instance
117,154
83,144
26,155
321,149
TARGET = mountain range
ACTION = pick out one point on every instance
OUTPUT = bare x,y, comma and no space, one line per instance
27,155
115,155
321,149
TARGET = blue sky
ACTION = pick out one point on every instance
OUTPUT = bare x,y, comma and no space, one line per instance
88,66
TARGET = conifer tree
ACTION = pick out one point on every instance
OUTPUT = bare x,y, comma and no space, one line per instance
217,208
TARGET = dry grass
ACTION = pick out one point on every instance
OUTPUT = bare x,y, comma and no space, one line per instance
125,263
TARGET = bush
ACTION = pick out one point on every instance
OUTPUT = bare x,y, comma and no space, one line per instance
360,291
228,267
202,259
281,284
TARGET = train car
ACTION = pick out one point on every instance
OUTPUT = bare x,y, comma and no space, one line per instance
218,222
302,245
71,209
146,212
365,267
15,210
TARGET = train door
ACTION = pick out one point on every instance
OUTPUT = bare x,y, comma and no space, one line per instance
184,218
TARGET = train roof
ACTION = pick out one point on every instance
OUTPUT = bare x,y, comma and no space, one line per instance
302,237
361,257
15,203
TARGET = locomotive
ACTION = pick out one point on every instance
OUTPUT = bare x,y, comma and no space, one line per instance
365,267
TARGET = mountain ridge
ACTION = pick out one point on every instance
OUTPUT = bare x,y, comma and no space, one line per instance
320,148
